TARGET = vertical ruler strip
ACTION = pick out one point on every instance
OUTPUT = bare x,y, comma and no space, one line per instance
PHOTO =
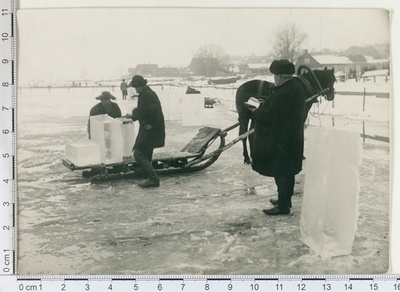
8,200
14,128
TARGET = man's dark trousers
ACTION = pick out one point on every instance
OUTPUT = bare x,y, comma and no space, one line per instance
285,184
143,158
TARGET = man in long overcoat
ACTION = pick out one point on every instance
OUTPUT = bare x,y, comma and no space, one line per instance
279,135
151,133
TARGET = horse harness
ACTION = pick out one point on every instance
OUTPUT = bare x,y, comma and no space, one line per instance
307,85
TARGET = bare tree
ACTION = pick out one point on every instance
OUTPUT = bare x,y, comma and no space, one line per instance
287,42
209,60
213,51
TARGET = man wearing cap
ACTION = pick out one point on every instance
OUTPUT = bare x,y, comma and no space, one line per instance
151,129
105,106
124,89
279,135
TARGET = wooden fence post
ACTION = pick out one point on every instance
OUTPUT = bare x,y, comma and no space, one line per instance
364,100
363,132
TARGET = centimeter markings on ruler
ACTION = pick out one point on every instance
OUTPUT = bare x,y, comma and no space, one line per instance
385,283
7,137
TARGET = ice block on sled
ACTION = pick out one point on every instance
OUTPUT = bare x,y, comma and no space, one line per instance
331,191
83,154
192,110
128,136
107,132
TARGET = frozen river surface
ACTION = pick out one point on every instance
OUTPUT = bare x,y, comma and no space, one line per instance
209,222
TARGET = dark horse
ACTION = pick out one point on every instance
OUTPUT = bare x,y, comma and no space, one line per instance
312,82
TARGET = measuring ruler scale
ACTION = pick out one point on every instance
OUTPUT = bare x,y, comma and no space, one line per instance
384,283
7,137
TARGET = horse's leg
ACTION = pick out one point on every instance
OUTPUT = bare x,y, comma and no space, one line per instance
251,138
242,95
244,123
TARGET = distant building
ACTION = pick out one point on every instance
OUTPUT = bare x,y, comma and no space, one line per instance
234,69
168,72
378,64
339,63
144,70
258,68
350,66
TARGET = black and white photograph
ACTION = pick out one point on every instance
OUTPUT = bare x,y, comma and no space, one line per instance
204,141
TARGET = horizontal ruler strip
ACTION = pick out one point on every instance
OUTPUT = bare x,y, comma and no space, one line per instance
201,283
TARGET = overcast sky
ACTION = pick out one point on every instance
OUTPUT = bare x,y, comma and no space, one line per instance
102,43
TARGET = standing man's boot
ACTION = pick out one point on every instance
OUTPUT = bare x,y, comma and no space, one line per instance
276,201
151,182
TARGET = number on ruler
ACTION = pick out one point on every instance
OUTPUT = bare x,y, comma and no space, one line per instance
374,286
348,286
254,287
4,36
4,12
301,287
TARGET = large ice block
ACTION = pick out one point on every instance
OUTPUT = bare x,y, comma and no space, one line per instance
170,105
107,132
128,136
331,191
193,110
83,154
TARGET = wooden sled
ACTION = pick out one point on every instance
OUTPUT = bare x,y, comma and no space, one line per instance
192,157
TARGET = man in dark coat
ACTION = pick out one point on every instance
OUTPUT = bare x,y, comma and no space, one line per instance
105,106
151,129
124,89
279,135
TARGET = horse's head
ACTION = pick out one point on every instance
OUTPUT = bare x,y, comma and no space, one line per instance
327,79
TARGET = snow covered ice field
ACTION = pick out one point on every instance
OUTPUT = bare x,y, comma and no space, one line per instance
209,222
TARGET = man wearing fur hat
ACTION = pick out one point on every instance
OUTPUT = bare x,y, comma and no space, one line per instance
279,135
105,106
151,129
